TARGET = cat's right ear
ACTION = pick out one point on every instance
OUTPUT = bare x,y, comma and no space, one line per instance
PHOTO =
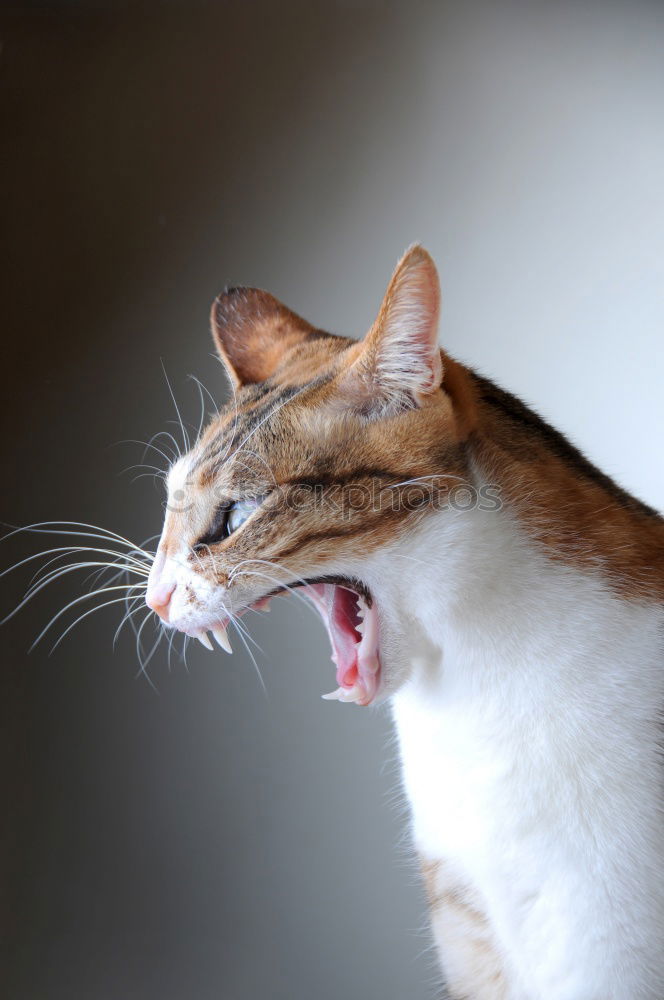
253,332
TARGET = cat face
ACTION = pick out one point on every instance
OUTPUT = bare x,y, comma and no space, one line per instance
328,453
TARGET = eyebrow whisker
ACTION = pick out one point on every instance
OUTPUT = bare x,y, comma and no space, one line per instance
185,436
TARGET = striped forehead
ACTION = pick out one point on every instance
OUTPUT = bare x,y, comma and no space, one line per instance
235,427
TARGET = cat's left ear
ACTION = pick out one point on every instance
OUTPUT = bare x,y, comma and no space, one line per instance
254,332
400,363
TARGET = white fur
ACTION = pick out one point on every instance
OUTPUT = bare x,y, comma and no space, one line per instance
529,721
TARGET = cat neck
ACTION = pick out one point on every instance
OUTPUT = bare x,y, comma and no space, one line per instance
572,511
482,622
518,580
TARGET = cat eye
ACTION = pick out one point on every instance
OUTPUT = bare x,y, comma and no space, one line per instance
229,518
239,512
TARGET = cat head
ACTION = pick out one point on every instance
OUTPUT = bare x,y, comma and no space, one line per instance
324,459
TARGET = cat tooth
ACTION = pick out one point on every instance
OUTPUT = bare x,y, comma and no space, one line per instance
345,695
333,695
351,695
221,635
204,639
360,627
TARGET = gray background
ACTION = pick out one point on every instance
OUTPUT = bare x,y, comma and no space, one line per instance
210,841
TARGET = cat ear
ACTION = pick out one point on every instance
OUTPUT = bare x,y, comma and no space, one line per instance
252,332
400,362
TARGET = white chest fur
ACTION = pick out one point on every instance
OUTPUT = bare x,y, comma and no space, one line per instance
529,728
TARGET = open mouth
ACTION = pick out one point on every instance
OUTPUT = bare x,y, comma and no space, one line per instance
350,617
352,625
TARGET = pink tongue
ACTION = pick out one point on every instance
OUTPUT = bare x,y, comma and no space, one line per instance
342,616
354,652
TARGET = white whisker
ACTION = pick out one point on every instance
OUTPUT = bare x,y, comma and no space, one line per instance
90,611
185,436
205,389
48,528
421,479
172,440
59,571
77,600
139,652
267,416
137,602
249,652
69,550
148,445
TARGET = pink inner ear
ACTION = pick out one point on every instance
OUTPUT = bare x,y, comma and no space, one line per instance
400,362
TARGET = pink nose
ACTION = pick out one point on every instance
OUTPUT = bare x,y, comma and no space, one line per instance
158,597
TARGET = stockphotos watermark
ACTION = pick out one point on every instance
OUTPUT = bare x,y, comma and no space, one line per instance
349,500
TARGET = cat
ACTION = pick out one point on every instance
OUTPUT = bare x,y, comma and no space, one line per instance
474,569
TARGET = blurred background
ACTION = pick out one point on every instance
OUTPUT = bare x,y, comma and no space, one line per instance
207,839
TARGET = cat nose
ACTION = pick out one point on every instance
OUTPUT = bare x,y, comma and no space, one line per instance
158,598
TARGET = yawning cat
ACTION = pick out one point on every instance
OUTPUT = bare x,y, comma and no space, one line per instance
474,568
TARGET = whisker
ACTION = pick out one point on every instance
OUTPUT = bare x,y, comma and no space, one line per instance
185,436
172,441
273,565
236,411
207,392
98,607
148,445
55,574
69,550
49,562
266,576
42,575
153,650
137,602
122,568
59,571
151,475
48,528
271,579
170,647
421,479
156,470
267,416
139,652
201,419
237,621
77,600
196,555
249,652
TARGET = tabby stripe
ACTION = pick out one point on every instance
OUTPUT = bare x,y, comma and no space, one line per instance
319,536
